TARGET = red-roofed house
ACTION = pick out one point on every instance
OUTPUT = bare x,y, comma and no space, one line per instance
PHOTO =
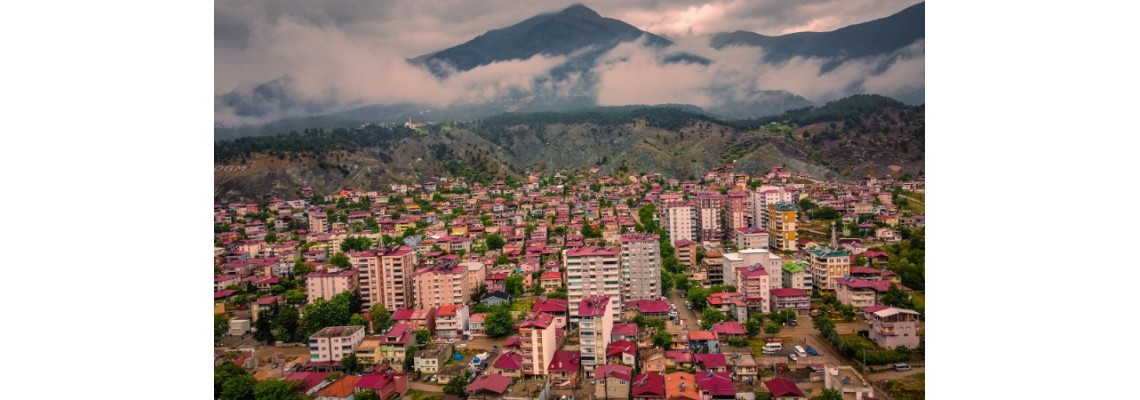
596,322
710,362
612,381
387,385
496,282
794,299
489,386
715,385
559,308
626,331
784,389
416,319
310,381
726,330
753,282
563,368
475,324
650,308
451,320
648,386
679,358
859,293
341,389
538,341
622,351
509,364
550,280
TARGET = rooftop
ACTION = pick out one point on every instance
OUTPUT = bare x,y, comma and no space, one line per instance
337,331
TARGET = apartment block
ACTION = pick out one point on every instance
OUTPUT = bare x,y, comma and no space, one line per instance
596,322
333,343
640,267
592,271
326,285
782,226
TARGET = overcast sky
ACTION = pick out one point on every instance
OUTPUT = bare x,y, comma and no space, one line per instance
356,48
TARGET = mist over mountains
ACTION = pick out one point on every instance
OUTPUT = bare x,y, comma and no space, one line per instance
554,61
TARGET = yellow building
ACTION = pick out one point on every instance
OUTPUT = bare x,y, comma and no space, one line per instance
782,226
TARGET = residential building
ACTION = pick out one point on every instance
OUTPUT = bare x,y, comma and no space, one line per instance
550,281
736,210
432,358
592,271
681,386
612,381
396,265
538,342
709,205
751,238
765,196
656,308
496,282
333,343
318,222
489,386
387,385
771,263
311,382
713,362
784,389
753,282
797,275
726,330
443,283
451,320
715,385
367,265
828,265
326,285
595,323
679,219
793,299
741,364
475,323
225,281
394,346
563,368
556,307
648,386
263,304
640,267
621,351
510,364
416,318
704,342
686,252
782,226
623,331
341,389
475,276
893,327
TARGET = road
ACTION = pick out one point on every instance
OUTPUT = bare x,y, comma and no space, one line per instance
892,374
425,387
677,299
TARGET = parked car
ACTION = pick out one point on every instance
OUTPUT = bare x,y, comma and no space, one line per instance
811,351
793,357
902,367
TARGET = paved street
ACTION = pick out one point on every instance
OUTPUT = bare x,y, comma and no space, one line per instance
676,297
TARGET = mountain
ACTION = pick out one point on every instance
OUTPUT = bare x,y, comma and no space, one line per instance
558,34
848,138
881,36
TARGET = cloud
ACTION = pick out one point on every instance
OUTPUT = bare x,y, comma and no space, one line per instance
341,53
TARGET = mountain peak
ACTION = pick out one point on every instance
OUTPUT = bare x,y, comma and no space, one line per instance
579,10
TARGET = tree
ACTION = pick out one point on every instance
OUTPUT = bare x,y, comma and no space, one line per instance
221,326
666,282
295,296
895,297
340,260
367,394
350,363
355,243
271,237
358,320
458,385
423,337
287,321
275,389
711,316
224,372
681,282
829,394
698,296
662,339
754,324
499,323
514,285
560,293
772,328
264,332
495,242
239,387
381,319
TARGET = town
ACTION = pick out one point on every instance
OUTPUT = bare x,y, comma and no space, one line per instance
575,285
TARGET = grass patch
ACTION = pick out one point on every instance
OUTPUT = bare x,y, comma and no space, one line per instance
919,300
910,388
522,305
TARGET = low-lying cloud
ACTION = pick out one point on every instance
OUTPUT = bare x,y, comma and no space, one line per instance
332,55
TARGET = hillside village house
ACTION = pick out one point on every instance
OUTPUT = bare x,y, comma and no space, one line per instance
333,343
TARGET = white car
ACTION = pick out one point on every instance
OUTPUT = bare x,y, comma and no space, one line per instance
288,368
792,357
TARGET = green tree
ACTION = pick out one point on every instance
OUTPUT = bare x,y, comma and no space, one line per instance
829,394
895,297
271,237
711,316
499,323
239,387
358,320
458,385
666,282
275,389
560,293
295,296
350,363
224,372
264,324
772,328
221,326
698,296
681,282
355,243
514,285
423,337
754,324
300,267
495,242
367,394
381,318
288,321
662,339
340,260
